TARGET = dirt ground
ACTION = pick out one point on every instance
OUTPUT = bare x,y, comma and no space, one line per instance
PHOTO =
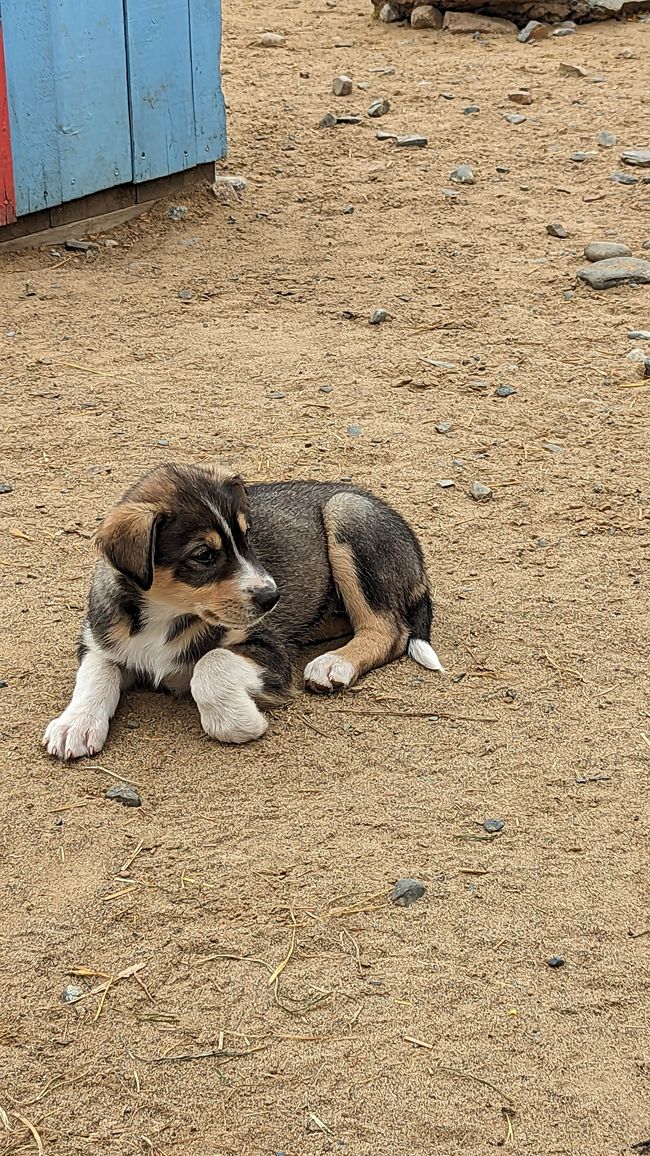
434,1030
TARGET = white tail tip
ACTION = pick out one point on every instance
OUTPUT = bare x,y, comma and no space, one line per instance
425,655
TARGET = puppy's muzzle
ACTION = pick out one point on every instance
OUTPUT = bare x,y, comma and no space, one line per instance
266,598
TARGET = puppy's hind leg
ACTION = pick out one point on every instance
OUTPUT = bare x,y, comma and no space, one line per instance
82,729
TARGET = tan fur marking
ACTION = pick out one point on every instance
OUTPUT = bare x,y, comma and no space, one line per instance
220,473
125,534
377,637
214,540
219,602
242,523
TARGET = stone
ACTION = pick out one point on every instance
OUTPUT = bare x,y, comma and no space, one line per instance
534,30
556,961
276,395
605,139
520,96
379,316
407,891
5,488
646,245
603,250
505,391
354,431
444,427
272,40
479,492
185,294
177,213
580,157
379,107
328,121
563,31
342,86
446,483
81,246
616,271
624,179
463,175
125,794
471,109
556,230
348,118
514,118
426,16
71,993
552,448
472,22
30,289
633,335
111,243
228,189
386,136
572,70
413,141
389,14
640,158
493,826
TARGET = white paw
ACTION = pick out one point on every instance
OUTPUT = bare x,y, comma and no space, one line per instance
75,734
329,672
234,722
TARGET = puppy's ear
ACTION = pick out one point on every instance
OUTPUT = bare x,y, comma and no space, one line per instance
127,537
239,492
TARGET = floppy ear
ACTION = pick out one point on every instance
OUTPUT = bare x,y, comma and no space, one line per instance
239,492
127,537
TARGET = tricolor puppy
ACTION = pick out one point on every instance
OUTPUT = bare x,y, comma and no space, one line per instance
210,587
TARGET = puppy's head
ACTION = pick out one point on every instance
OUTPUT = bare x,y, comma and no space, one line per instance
182,535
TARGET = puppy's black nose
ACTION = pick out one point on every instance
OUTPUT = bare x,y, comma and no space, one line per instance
267,598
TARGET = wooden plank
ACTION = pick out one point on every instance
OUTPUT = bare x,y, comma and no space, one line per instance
160,87
209,105
7,190
97,224
32,108
94,205
174,183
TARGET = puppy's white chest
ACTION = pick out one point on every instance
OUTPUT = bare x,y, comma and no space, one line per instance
149,653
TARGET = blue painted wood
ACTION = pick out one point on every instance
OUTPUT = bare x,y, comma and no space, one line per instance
160,87
68,99
209,105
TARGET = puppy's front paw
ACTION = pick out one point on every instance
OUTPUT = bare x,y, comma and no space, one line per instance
328,672
239,722
75,734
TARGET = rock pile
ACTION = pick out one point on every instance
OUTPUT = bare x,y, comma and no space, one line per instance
463,12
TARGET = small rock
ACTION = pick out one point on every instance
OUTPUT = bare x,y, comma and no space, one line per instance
379,107
185,294
492,826
347,210
111,243
328,121
413,141
462,175
646,245
448,95
470,22
624,179
81,246
534,30
3,684
479,492
572,70
178,213
556,230
407,891
646,367
616,271
605,139
5,488
444,427
504,391
426,16
386,135
552,448
228,190
640,158
354,431
514,118
579,157
342,86
520,96
389,14
276,395
379,316
71,993
603,250
477,385
124,794
563,31
272,40
30,290
556,961
471,110
446,483
348,118
633,334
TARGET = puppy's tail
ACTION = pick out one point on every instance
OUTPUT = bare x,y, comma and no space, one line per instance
419,648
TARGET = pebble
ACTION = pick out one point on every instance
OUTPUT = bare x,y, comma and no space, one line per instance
514,118
342,86
3,684
637,157
446,483
354,431
556,961
81,246
479,492
602,250
444,427
71,993
426,16
556,230
111,243
389,14
412,142
386,135
616,271
552,448
462,175
563,31
407,891
379,107
534,30
239,184
492,826
272,40
30,289
520,96
606,140
276,394
471,109
185,294
646,245
633,334
580,157
124,794
178,213
5,488
379,316
473,23
572,70
505,391
624,178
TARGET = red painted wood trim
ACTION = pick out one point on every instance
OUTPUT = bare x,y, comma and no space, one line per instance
7,192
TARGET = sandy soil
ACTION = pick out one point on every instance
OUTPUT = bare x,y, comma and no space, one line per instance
438,1029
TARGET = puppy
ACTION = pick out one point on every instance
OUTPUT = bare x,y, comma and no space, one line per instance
210,587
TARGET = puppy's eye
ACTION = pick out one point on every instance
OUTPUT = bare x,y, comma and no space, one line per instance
204,554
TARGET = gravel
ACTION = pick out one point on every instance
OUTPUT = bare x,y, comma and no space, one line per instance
603,250
407,891
125,794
